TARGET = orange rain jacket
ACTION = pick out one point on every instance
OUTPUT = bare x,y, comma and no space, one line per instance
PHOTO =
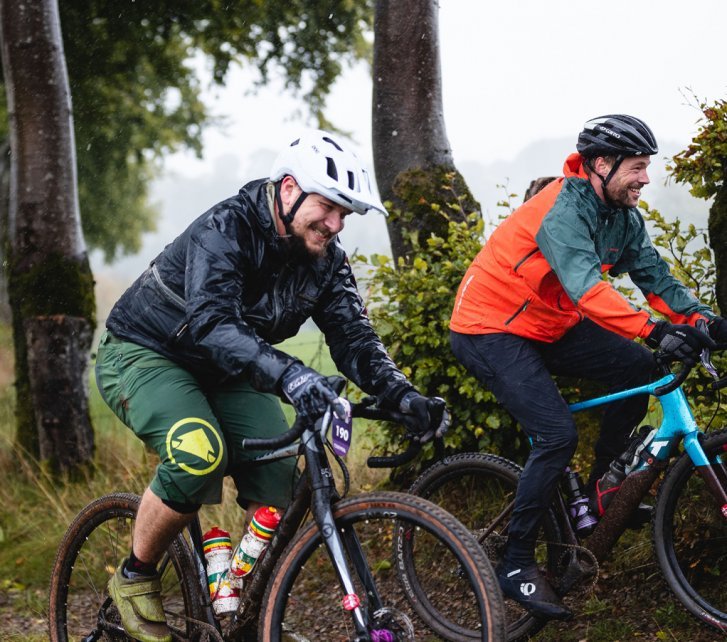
541,271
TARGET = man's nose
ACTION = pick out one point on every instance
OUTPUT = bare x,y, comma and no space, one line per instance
334,222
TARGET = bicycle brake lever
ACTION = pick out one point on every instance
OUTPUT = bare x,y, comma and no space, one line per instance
706,356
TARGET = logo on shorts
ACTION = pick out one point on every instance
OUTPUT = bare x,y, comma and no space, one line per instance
194,445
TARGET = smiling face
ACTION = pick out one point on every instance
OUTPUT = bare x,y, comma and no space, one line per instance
316,222
624,188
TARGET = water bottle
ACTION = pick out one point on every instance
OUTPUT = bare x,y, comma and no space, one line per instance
255,541
218,553
583,520
608,485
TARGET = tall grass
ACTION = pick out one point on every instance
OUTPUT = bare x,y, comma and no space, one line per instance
36,509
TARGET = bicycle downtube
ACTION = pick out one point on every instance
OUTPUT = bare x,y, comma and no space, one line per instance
252,596
625,501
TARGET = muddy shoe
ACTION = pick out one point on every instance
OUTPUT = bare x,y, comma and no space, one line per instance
529,587
140,606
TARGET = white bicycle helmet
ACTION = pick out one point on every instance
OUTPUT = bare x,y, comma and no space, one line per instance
322,163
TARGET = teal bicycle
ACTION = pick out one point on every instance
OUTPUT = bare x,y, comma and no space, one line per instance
689,520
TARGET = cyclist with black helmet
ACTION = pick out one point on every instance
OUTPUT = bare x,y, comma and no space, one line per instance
188,359
535,303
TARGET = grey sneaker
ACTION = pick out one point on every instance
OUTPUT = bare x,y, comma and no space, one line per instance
140,606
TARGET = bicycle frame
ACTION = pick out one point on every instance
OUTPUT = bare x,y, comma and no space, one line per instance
315,491
678,424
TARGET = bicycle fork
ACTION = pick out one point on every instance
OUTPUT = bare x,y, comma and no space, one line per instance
324,491
713,472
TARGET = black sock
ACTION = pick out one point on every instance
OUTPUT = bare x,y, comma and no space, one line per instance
134,567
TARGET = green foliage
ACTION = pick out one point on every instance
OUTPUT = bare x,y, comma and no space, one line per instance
686,250
410,305
136,95
704,162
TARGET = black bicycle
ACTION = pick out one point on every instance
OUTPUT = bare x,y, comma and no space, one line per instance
336,576
689,522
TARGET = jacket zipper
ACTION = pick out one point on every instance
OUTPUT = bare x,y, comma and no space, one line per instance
276,304
520,310
525,258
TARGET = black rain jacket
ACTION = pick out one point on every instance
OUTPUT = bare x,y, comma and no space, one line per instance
222,293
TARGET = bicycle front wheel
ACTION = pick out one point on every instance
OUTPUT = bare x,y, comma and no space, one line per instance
303,601
690,538
91,550
479,490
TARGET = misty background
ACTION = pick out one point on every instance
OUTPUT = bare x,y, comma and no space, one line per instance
519,81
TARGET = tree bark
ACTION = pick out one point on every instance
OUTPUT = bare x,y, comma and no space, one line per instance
717,226
49,279
412,156
5,316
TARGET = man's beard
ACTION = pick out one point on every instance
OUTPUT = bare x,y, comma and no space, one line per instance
299,251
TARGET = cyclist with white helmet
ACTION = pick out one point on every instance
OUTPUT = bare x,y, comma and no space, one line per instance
188,359
535,303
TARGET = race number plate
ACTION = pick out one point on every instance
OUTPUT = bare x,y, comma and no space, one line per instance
342,431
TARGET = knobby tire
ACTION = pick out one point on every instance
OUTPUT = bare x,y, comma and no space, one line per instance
91,549
303,599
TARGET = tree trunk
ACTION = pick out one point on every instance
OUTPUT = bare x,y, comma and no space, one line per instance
718,241
412,156
4,192
49,279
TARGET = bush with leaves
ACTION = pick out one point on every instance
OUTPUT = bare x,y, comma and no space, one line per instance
410,305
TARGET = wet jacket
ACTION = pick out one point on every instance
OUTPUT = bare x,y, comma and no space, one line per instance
540,272
221,294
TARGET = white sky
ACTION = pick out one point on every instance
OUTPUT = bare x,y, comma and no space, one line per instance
514,73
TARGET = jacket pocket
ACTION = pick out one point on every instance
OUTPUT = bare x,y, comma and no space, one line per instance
519,311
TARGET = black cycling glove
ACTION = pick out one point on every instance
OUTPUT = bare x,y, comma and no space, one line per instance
718,329
681,341
308,390
430,413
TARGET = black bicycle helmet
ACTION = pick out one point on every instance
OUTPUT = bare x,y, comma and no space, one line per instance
616,135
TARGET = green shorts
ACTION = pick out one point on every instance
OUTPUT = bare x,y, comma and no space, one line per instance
196,429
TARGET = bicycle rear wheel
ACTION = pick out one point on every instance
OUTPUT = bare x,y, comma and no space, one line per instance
91,550
690,538
478,489
303,600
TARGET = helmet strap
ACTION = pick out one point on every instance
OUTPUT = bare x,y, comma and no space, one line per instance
605,181
288,218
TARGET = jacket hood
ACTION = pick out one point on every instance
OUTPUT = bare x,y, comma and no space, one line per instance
573,166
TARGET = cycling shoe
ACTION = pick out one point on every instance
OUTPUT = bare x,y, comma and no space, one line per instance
529,587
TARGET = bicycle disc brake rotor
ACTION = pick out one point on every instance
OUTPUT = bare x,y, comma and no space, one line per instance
391,625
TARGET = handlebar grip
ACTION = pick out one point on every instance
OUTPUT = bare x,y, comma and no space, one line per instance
392,461
288,437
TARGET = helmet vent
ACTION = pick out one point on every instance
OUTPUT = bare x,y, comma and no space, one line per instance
295,142
331,168
333,142
351,180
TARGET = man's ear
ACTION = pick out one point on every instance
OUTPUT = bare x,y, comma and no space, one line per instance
289,191
602,165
